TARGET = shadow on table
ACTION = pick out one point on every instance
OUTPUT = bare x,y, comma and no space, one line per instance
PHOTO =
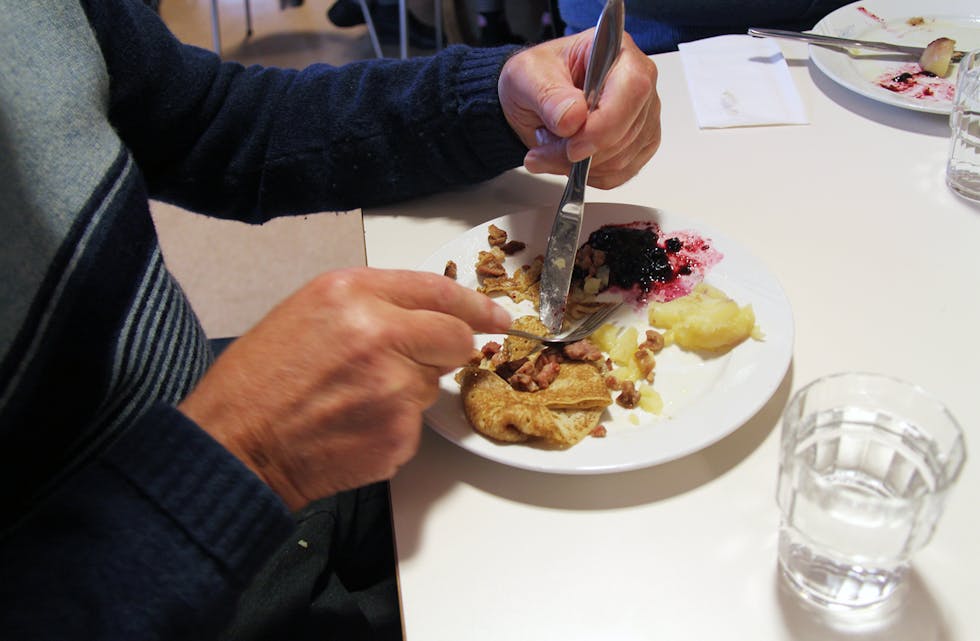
418,488
926,123
638,487
509,193
913,616
929,124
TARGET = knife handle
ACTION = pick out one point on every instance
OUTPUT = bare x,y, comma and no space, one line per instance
606,43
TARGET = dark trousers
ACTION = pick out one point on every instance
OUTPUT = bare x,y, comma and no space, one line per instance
333,580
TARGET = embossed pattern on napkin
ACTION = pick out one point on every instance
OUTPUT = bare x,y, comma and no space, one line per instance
740,81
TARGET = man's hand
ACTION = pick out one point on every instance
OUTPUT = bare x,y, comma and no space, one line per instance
540,91
326,393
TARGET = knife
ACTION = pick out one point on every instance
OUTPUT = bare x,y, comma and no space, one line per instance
844,43
559,258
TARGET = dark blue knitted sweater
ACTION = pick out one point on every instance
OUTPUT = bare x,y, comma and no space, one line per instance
119,517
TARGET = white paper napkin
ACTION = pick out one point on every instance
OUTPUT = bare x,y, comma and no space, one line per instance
740,81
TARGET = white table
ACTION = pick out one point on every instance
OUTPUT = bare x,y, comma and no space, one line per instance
881,262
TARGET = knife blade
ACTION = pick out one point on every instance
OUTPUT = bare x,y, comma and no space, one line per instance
559,258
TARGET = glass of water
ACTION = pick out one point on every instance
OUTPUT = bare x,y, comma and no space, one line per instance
963,168
865,465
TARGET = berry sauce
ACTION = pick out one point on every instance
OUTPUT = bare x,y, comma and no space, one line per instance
910,80
646,264
867,13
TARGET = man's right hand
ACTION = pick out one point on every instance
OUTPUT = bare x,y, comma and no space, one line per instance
326,393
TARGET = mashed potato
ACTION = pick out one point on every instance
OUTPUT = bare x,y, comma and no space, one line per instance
706,319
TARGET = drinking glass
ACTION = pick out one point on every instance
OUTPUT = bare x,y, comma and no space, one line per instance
963,167
866,462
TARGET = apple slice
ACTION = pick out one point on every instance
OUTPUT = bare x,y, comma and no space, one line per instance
937,56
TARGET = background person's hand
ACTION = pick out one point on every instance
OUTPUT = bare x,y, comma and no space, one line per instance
326,393
540,91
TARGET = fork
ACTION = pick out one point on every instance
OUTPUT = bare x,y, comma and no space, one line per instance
584,329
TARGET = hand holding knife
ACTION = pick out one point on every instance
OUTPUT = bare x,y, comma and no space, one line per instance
559,259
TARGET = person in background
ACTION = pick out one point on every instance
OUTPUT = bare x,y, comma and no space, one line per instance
491,18
384,14
495,28
658,26
149,490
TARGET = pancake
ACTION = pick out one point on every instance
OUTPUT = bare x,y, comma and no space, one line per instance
563,414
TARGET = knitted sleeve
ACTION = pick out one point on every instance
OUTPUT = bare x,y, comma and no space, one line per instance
153,540
255,142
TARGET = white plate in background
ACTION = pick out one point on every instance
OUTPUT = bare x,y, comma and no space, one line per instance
888,21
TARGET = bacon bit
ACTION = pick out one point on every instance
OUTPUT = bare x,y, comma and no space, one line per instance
546,375
476,357
598,432
512,247
504,367
496,236
522,382
450,270
490,349
500,359
629,398
583,350
550,355
523,379
613,383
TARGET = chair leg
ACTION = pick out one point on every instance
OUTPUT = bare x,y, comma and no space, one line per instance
438,20
403,27
371,31
248,18
215,27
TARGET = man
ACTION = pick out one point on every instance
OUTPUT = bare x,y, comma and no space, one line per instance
143,485
661,25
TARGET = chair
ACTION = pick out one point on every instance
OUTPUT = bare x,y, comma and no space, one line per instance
372,33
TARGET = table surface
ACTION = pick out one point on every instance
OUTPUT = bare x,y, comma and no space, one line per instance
881,264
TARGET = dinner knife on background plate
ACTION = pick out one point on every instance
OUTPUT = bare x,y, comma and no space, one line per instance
846,43
559,258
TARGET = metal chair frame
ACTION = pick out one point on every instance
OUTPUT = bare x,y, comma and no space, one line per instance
372,33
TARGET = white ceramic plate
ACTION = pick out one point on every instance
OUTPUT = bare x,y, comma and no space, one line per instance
888,21
705,399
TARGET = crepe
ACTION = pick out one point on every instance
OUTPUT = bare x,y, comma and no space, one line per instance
564,413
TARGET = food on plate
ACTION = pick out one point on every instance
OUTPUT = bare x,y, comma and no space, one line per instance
632,364
451,270
639,262
707,319
937,56
497,237
518,390
913,82
495,409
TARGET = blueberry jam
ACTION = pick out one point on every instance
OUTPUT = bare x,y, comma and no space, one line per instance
633,256
646,264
